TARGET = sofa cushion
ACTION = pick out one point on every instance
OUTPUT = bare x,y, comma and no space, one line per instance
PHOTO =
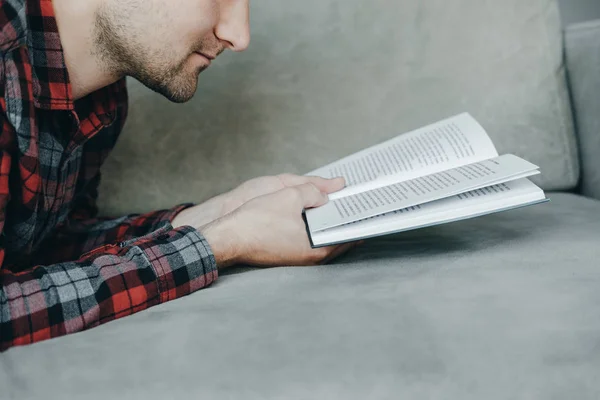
323,79
583,62
500,307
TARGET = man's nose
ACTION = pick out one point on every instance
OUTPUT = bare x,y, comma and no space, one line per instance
234,25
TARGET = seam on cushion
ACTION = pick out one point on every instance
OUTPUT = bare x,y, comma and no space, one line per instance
584,29
584,26
560,107
583,32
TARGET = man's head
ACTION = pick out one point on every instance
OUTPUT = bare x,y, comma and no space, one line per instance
165,44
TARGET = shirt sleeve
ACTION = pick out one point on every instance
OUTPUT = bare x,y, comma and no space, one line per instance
94,270
111,282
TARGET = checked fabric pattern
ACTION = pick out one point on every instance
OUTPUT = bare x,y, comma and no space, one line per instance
62,269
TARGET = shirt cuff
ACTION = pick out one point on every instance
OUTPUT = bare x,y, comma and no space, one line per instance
182,260
167,216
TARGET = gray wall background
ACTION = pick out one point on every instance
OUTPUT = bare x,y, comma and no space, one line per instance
579,10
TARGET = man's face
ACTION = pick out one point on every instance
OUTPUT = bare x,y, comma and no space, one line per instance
166,44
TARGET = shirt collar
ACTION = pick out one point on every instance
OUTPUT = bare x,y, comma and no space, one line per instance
51,85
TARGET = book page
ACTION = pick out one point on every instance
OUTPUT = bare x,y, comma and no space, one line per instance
418,191
477,202
456,141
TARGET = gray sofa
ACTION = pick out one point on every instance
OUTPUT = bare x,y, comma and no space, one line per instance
501,307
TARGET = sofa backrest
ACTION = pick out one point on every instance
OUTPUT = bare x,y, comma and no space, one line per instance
583,61
325,78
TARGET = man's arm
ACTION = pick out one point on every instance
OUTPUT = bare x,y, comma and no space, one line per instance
139,261
117,280
83,231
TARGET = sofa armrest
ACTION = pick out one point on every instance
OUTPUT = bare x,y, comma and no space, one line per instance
582,43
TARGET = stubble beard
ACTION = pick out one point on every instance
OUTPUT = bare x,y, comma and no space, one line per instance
122,55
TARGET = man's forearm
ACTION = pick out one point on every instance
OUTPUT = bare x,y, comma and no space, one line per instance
221,238
202,214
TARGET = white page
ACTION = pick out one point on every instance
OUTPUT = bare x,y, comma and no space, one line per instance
456,141
418,191
483,201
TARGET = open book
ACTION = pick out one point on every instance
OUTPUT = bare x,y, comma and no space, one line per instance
441,173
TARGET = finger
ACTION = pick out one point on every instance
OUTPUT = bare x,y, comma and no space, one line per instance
323,184
339,250
310,196
327,185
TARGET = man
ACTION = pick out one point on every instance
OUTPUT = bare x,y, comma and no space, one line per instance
63,105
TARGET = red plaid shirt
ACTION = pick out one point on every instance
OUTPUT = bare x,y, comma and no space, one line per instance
63,270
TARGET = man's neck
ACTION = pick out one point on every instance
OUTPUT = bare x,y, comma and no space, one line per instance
75,19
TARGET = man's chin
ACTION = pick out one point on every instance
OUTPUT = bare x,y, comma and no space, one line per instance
180,93
178,90
179,96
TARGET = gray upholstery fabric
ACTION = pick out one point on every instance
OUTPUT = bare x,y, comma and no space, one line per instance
501,307
573,11
323,79
583,62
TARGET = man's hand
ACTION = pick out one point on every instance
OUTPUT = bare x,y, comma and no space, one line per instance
217,207
270,184
269,230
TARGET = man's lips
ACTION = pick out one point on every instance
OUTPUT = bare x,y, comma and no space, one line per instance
208,56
